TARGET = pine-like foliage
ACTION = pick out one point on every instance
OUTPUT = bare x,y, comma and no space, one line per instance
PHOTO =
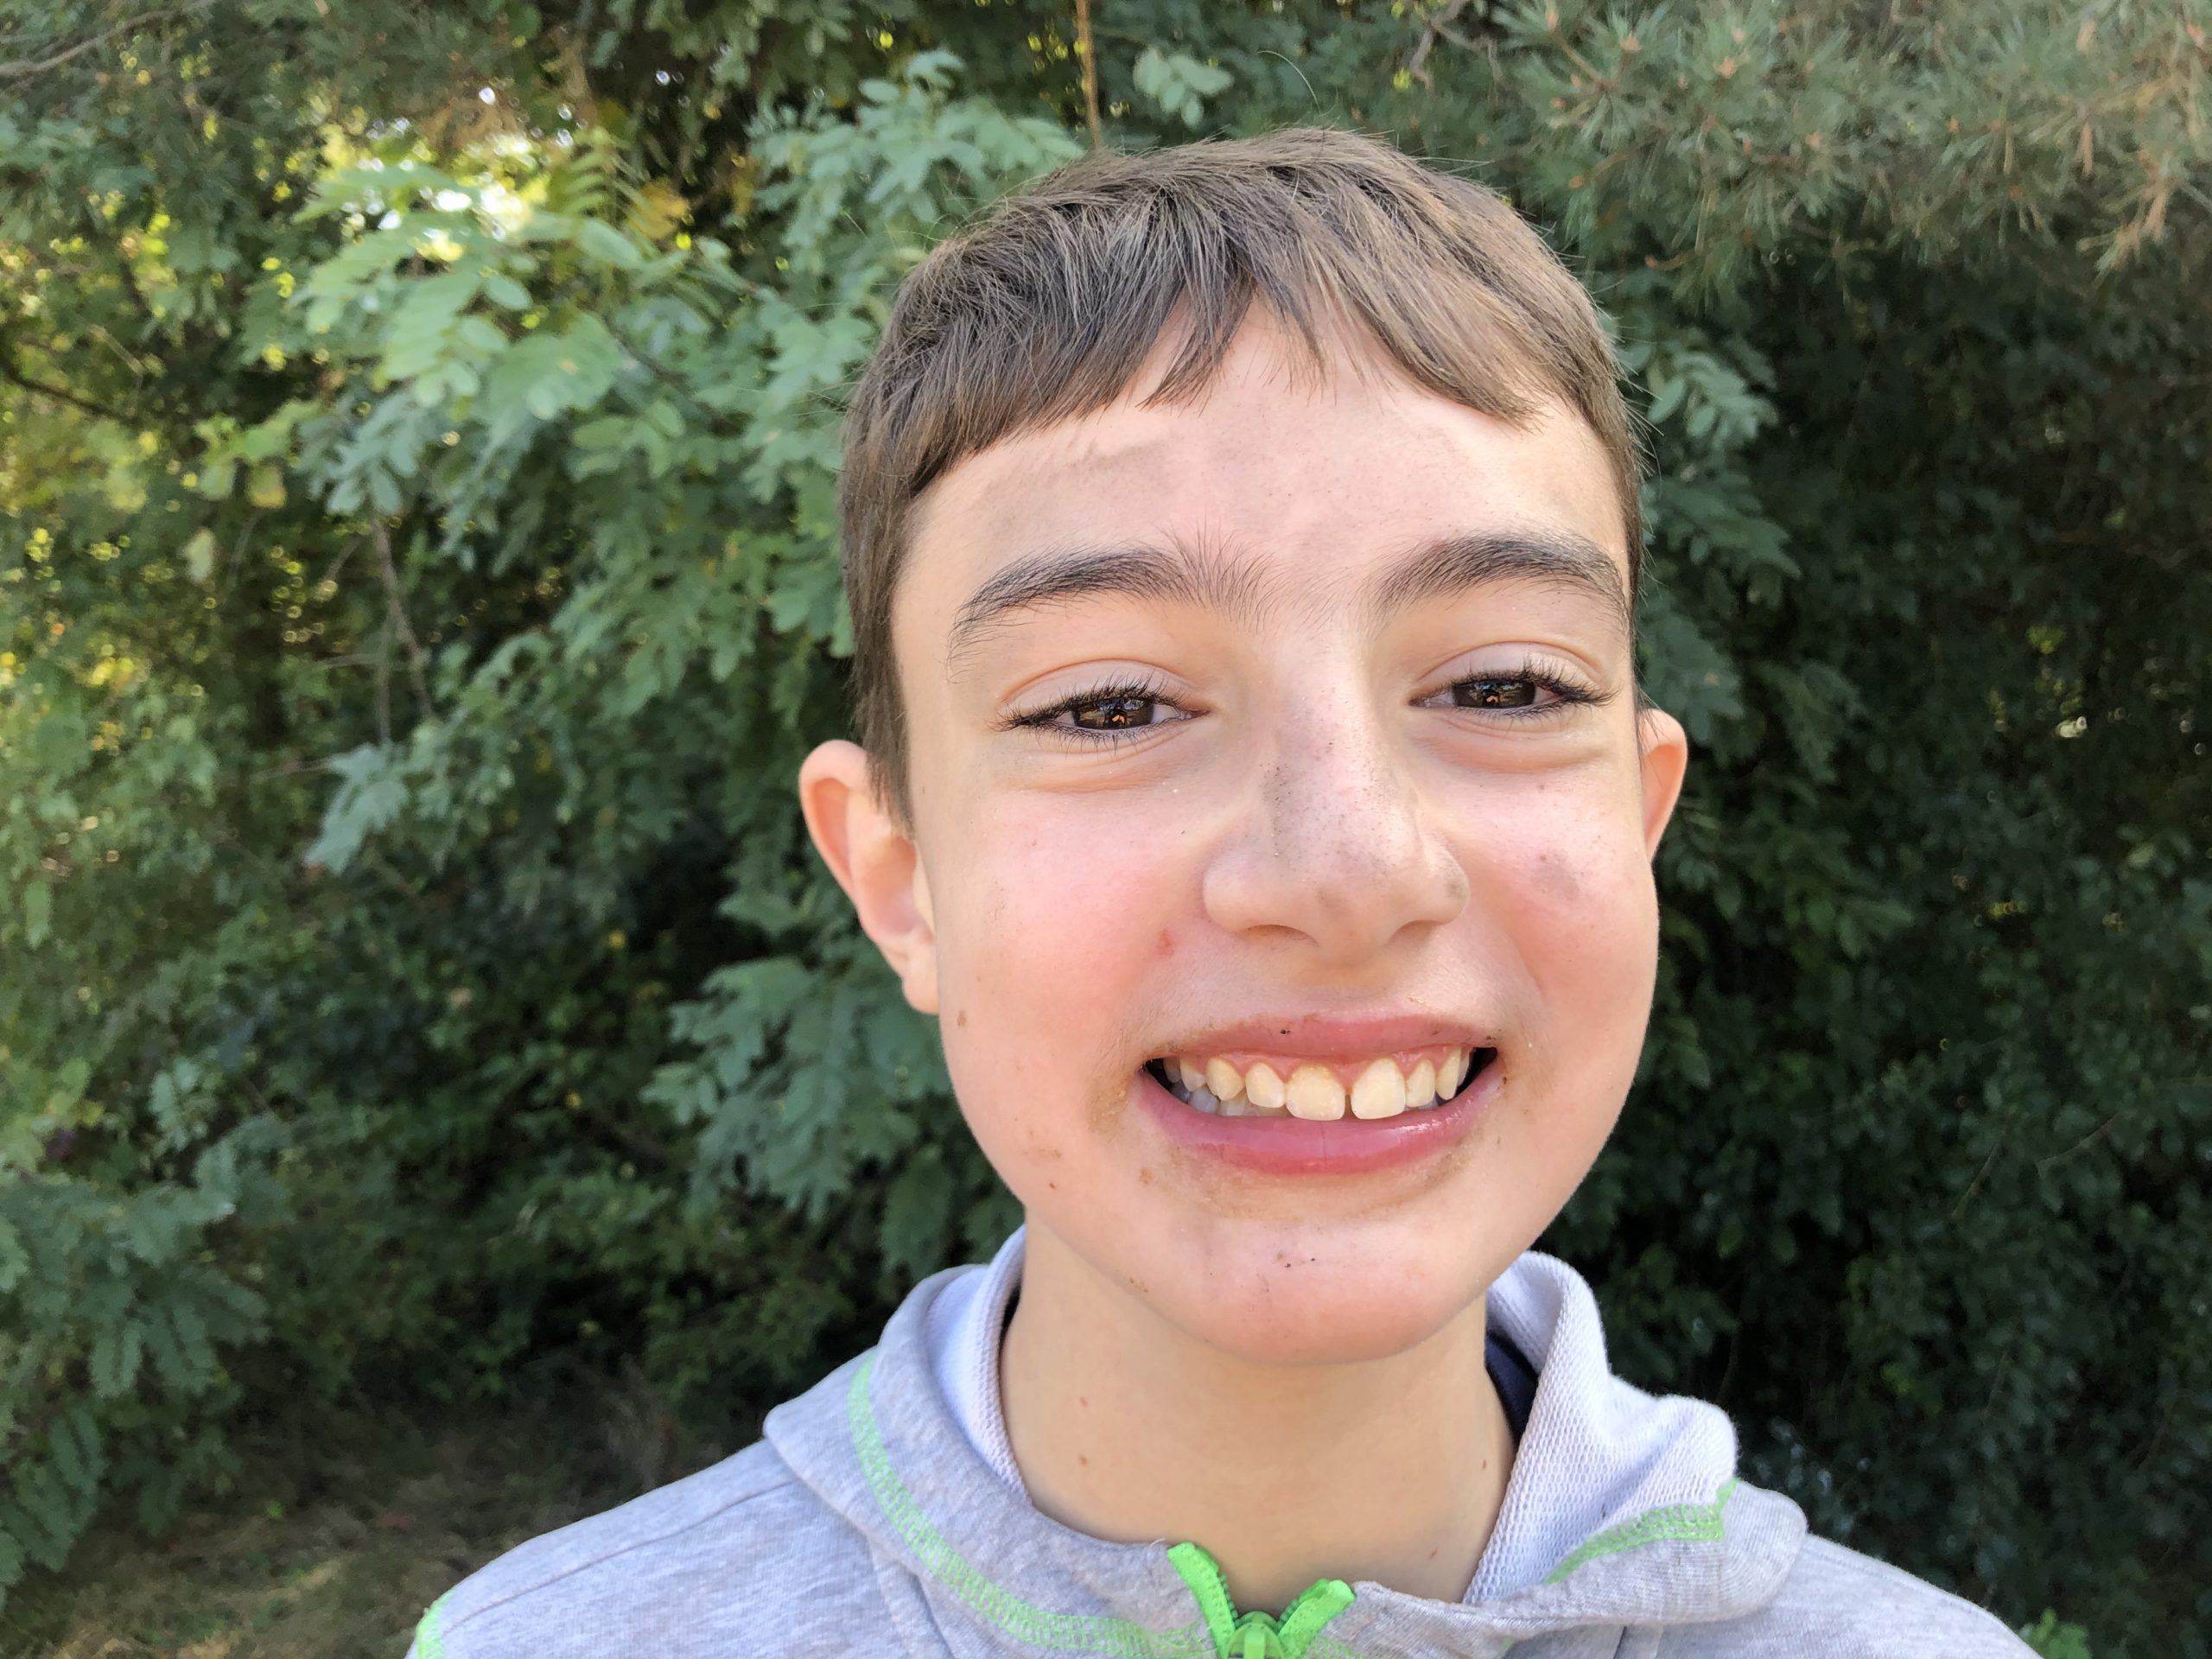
417,587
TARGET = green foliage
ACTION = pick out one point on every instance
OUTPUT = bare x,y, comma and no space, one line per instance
417,434
2054,1640
1177,84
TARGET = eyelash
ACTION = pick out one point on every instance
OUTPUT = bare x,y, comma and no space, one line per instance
1107,691
1567,691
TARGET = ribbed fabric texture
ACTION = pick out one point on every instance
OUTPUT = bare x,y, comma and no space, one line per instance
963,1331
1597,1452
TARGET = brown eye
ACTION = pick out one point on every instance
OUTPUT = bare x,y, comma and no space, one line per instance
1114,714
1514,693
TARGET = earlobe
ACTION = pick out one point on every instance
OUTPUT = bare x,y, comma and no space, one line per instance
873,860
1664,760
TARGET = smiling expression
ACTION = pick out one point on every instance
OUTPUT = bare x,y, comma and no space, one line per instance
1274,736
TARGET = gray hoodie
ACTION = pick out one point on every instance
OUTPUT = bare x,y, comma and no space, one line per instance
866,1522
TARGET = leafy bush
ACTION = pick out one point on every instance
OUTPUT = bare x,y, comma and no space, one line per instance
2054,1640
418,432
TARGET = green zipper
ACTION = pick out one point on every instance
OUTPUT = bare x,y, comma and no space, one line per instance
1296,1634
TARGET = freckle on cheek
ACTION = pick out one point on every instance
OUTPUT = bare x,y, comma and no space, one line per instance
1105,1107
1556,876
1166,943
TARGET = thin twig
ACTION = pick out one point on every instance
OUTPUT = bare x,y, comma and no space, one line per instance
292,769
2093,1135
1429,35
643,1146
1974,1186
384,686
1089,47
137,369
9,373
337,563
34,66
236,560
396,604
1269,52
710,417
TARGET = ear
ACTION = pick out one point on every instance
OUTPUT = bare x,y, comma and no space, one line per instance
1666,757
877,866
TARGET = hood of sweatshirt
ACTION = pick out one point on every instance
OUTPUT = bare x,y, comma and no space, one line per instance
1623,1512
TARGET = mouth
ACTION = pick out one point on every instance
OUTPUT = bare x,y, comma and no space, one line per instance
1303,1117
1316,1092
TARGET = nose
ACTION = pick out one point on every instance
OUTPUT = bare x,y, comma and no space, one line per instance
1334,845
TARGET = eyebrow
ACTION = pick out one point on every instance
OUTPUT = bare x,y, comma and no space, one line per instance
1176,572
1546,558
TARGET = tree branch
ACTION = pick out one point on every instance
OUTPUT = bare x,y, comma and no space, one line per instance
1439,27
383,687
330,573
1089,47
642,1146
712,418
10,373
23,66
396,605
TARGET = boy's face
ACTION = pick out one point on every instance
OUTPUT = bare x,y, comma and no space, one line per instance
1277,836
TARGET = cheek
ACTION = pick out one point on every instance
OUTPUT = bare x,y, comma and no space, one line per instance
1057,903
1568,904
1570,884
1050,936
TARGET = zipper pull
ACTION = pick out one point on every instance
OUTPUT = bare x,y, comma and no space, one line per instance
1257,1635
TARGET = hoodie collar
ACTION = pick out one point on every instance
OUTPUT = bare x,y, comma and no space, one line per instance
1622,1509
876,1442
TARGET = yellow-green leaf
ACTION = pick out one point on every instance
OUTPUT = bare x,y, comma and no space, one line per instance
200,556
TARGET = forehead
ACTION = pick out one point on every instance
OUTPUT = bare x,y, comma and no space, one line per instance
1317,471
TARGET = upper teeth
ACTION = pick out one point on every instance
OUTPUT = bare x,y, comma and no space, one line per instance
1380,1088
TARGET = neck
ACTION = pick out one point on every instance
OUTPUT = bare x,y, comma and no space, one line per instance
1128,1427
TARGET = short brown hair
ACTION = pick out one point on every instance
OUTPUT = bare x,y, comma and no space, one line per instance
1045,307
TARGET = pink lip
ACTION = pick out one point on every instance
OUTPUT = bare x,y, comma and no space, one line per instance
1295,1145
1317,1037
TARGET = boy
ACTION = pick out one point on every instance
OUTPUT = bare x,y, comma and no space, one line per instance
1241,543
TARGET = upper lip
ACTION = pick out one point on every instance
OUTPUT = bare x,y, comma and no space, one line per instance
1332,1037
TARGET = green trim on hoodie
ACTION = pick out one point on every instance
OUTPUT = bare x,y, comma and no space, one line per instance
429,1639
719,1552
1226,1633
1676,1522
1120,1638
1297,1635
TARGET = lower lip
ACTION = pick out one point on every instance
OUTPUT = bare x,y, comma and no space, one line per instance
1297,1146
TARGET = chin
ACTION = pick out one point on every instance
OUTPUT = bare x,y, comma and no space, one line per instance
1329,1295
1322,1323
